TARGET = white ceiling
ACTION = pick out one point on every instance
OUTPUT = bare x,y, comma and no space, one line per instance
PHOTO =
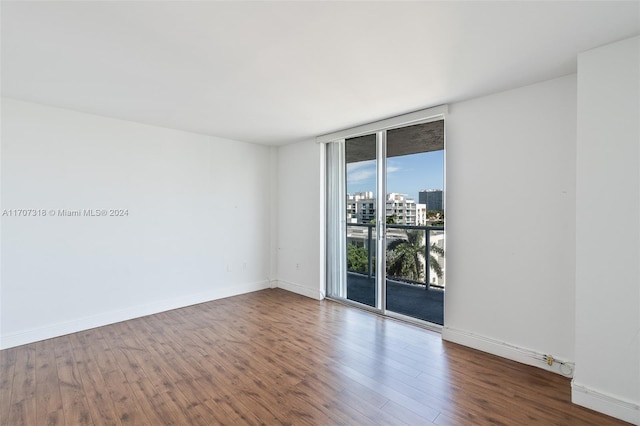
278,72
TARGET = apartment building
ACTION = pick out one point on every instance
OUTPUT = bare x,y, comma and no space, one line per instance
361,208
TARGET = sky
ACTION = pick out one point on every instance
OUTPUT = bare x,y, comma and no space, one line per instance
408,174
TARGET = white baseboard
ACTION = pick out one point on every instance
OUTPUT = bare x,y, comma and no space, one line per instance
607,404
300,289
506,350
111,317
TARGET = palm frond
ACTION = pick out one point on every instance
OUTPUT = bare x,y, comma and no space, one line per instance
436,249
435,265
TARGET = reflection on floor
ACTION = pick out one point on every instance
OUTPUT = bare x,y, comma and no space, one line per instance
402,298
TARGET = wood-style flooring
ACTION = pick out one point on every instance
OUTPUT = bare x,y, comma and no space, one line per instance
273,357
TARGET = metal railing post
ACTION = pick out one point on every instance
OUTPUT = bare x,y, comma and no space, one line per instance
369,250
427,246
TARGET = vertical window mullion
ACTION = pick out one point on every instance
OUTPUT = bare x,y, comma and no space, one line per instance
381,223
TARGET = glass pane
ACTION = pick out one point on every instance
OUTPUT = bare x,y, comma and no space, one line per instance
360,154
415,220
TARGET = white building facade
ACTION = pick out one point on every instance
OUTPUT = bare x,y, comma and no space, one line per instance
361,208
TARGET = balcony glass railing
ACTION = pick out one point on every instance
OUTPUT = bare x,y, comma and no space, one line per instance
415,254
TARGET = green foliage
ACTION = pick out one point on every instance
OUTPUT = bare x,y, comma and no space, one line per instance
357,258
406,257
436,217
433,262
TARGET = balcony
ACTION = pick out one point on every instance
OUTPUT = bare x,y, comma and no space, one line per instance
403,298
415,269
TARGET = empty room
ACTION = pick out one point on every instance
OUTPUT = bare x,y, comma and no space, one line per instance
320,212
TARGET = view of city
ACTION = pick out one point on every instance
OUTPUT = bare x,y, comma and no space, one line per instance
415,233
400,209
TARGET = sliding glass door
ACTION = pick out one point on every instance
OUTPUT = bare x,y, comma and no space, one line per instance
414,284
385,246
361,219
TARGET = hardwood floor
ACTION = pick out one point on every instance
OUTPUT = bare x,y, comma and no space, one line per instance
273,357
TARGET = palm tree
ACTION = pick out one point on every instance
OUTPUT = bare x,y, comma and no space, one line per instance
406,257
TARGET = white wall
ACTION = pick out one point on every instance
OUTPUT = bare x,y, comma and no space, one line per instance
510,205
300,213
198,224
608,231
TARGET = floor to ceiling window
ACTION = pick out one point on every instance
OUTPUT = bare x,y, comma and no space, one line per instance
385,216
